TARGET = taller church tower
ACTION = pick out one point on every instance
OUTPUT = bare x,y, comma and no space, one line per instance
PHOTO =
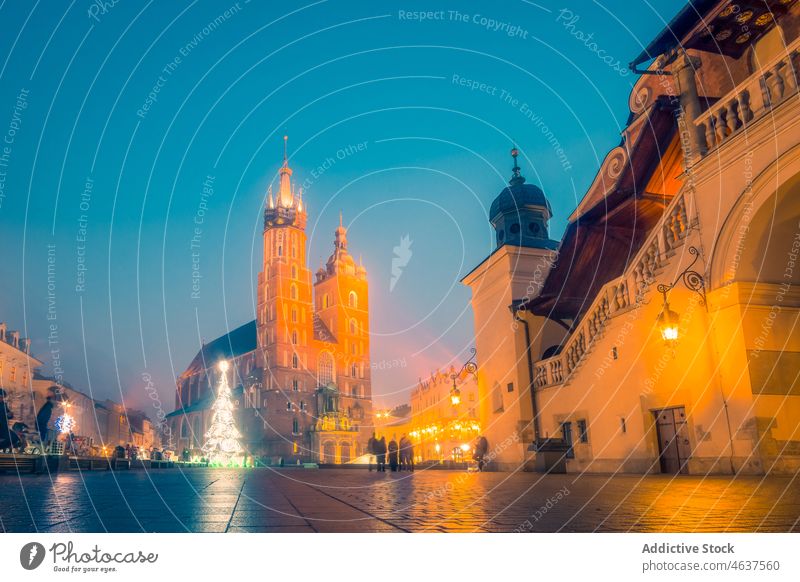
285,309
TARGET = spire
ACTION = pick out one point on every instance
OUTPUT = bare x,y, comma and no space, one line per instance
285,197
516,177
340,241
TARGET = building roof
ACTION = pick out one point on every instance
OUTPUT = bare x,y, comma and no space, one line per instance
240,341
716,26
611,222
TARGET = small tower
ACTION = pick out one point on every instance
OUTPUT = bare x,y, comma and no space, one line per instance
520,213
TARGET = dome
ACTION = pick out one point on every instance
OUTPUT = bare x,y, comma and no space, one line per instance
516,196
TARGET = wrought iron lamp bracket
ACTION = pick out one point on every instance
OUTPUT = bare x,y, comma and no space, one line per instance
691,279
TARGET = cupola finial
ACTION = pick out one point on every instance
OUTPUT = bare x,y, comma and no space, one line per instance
516,176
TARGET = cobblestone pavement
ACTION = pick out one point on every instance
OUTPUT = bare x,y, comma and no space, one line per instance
348,500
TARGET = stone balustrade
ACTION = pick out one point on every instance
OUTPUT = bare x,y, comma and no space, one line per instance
751,99
615,296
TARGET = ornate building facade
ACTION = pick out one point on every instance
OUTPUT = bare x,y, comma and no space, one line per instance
302,368
661,335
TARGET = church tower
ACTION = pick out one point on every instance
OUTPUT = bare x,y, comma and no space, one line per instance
342,306
285,310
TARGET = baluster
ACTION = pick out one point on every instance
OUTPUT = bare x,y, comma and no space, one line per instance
720,125
731,117
776,83
711,140
745,112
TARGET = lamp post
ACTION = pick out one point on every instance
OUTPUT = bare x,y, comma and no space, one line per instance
471,367
668,321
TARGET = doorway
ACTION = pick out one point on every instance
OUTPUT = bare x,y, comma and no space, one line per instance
673,440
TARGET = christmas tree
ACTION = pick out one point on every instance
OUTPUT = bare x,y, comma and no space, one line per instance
222,446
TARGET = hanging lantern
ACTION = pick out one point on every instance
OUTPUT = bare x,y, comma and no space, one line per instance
668,322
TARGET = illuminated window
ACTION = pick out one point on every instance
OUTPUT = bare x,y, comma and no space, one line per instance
295,448
352,300
326,301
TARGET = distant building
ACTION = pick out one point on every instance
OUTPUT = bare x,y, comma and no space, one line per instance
439,429
301,369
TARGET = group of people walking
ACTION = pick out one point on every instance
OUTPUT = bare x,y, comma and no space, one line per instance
400,456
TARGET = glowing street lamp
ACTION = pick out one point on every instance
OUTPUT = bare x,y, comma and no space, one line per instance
668,321
471,367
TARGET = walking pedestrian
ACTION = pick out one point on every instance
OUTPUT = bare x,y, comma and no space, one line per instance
371,450
481,448
393,455
406,454
380,453
43,419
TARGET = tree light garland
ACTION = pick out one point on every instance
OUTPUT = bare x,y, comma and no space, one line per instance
222,446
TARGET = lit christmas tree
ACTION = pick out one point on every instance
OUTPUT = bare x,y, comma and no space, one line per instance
222,446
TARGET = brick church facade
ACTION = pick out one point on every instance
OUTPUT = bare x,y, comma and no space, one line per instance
301,370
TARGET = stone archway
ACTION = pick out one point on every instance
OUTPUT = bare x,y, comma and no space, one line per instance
758,233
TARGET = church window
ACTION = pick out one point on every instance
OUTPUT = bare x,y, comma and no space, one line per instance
353,348
326,369
295,426
302,405
294,271
293,291
352,300
294,250
295,361
294,337
295,448
295,385
289,406
514,228
353,370
294,315
353,326
280,250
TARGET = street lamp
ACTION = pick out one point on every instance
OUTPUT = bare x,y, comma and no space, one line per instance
471,367
668,321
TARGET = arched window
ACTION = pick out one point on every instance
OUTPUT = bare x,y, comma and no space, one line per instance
352,300
294,271
295,426
295,361
354,370
325,371
280,250
353,326
293,291
294,337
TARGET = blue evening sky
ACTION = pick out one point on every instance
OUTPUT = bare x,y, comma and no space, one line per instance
330,74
